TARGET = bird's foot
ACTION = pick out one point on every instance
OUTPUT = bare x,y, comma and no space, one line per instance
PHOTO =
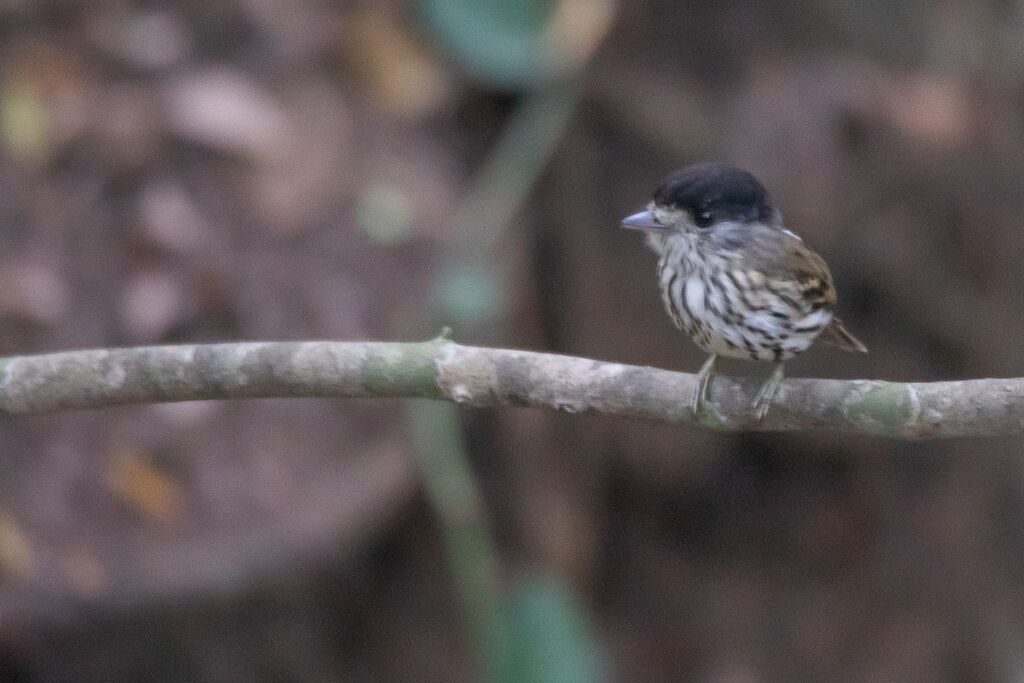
767,392
700,396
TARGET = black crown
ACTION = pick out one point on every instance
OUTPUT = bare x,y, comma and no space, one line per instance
725,191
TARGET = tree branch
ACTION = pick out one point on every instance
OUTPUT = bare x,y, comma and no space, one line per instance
442,369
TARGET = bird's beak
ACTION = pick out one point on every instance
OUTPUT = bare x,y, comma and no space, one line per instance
642,221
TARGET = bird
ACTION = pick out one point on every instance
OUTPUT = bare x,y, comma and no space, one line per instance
733,278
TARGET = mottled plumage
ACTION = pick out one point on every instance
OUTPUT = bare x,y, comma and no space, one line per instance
733,278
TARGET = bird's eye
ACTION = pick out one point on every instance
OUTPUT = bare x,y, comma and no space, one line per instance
703,219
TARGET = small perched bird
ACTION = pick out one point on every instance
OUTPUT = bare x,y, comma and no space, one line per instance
733,278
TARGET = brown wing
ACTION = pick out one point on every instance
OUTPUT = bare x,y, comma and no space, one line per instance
789,268
814,284
780,263
811,274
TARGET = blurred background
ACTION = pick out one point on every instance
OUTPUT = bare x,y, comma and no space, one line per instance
270,170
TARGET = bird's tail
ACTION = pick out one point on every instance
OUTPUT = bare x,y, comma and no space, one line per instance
837,335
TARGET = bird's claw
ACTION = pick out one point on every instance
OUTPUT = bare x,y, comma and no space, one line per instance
767,392
700,396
